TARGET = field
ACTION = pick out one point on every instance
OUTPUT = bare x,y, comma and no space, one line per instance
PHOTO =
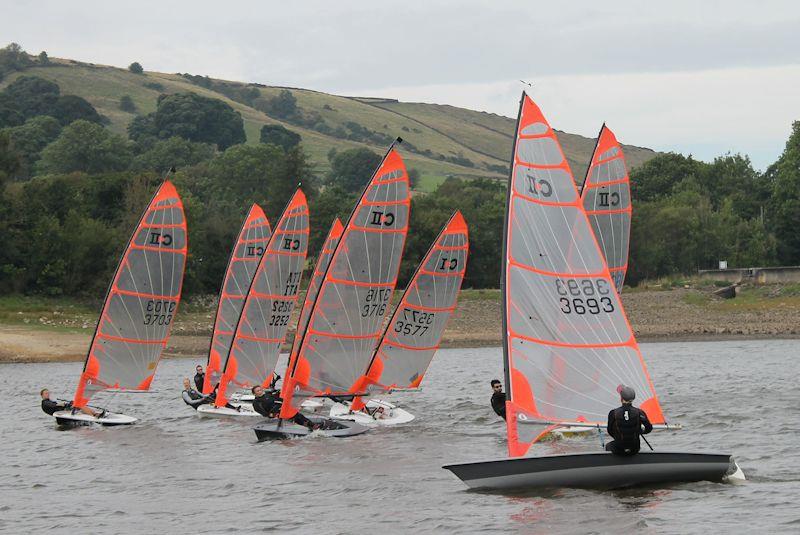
478,143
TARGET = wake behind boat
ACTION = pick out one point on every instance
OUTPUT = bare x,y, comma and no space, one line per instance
567,342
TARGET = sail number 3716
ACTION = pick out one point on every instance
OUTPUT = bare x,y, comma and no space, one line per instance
583,296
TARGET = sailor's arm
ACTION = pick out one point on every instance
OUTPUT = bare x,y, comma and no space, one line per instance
645,421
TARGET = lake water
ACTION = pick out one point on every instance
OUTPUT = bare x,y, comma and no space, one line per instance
175,472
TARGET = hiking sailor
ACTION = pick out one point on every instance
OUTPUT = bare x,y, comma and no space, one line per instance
268,403
626,423
498,399
50,407
192,397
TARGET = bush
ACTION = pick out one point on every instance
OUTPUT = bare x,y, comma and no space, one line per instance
279,136
135,68
87,147
126,104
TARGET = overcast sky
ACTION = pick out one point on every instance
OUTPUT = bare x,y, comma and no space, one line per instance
695,77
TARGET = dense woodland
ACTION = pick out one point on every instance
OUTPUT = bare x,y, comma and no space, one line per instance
71,191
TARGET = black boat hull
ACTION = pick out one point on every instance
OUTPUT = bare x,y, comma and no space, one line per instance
595,470
275,429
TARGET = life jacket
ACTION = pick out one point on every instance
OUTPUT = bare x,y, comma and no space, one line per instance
627,428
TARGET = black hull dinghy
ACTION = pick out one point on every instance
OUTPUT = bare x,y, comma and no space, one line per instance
597,470
281,429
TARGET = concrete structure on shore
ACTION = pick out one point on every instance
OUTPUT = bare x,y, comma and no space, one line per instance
755,275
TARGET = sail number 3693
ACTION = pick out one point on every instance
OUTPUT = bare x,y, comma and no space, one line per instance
583,296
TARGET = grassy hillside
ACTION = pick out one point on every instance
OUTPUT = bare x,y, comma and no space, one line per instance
477,144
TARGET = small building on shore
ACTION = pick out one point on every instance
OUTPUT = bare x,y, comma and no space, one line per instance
754,275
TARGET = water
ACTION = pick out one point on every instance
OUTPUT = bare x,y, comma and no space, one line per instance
175,472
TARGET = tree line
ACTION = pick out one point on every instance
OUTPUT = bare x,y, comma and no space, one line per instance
71,191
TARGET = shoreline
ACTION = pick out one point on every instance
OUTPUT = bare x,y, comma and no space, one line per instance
60,331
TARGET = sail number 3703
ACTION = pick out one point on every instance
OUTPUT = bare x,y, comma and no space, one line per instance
592,296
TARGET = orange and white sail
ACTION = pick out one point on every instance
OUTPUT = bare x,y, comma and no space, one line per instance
314,284
141,302
415,330
347,316
250,245
606,197
268,305
567,341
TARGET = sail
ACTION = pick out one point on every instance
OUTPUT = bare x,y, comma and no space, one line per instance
141,302
268,305
250,245
606,197
568,343
321,266
413,333
347,316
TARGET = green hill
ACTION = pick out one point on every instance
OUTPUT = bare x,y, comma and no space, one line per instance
440,140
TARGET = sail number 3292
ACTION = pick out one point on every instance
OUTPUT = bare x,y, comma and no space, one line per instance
583,296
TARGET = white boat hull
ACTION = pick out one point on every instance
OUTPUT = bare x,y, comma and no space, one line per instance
378,413
67,418
211,411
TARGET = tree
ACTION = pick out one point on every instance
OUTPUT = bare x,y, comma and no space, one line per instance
283,105
43,58
785,200
280,136
10,159
31,95
126,104
352,168
71,108
172,152
31,138
192,117
87,147
12,58
656,178
135,68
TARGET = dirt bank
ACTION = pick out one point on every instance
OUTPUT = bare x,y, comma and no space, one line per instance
655,315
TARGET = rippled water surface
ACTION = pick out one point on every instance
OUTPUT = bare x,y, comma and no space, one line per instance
174,472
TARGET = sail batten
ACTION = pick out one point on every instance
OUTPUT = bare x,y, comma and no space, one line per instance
346,316
245,255
268,303
567,341
141,302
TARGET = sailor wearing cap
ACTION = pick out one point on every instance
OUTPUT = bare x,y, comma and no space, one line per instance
626,423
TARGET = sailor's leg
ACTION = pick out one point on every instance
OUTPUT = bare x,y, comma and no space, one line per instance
610,445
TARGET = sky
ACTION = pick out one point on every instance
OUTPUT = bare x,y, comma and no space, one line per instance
701,78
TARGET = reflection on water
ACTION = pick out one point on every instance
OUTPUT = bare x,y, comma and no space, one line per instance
175,472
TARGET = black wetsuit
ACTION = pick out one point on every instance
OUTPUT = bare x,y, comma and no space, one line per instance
199,379
499,404
51,407
193,398
269,404
625,424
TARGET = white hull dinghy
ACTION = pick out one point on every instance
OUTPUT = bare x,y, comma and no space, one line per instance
139,307
273,429
567,343
376,412
597,470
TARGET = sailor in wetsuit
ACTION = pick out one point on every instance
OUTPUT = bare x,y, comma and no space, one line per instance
268,403
50,407
498,399
626,423
192,397
199,378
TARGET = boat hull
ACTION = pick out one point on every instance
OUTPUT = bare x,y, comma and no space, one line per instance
68,419
380,413
595,470
273,429
212,411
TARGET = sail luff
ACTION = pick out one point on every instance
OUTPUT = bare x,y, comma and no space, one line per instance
272,294
568,341
139,307
251,241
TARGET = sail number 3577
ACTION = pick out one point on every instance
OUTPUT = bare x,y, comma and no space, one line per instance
592,296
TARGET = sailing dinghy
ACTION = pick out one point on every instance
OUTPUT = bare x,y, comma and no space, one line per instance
264,319
137,315
415,330
606,198
346,317
567,341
